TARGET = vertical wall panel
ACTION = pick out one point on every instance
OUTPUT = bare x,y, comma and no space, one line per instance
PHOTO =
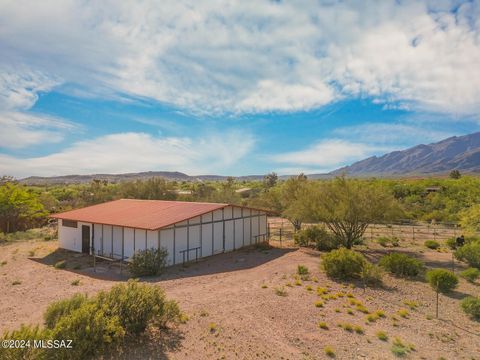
180,244
117,242
152,239
107,240
229,235
128,241
166,242
217,238
206,240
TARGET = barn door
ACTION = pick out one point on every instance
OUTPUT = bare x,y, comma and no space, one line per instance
85,239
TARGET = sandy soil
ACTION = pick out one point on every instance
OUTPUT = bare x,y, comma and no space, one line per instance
235,311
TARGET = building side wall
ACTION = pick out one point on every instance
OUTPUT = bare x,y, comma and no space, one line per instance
239,228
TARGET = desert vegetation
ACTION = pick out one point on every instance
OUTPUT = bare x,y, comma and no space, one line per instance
379,290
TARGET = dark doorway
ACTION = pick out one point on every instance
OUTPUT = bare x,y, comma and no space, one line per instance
85,239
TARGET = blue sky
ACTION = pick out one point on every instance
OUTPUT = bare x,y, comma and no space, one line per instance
243,88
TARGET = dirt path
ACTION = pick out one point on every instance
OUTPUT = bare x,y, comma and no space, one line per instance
233,315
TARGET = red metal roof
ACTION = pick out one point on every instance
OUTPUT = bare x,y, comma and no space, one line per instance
141,214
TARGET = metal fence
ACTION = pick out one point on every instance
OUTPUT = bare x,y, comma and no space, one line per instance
281,231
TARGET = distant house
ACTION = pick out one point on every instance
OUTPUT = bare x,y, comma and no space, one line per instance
187,230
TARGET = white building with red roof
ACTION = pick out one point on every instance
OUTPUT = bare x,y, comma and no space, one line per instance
187,230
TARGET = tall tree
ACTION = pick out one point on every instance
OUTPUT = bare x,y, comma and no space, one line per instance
19,208
270,180
347,206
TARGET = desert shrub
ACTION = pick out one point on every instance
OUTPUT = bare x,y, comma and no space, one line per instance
58,309
442,280
137,305
148,262
388,241
451,243
471,306
91,330
280,291
401,264
26,333
302,270
371,274
471,274
382,335
432,244
343,264
470,253
317,235
329,351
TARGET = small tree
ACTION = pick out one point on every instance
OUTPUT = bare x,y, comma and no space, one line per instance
270,180
455,174
442,281
470,219
348,206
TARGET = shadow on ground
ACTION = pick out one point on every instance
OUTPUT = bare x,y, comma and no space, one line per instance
82,264
152,345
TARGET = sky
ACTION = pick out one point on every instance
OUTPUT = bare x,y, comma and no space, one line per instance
230,87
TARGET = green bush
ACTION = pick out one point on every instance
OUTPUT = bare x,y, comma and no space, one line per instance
137,305
470,253
317,235
471,306
471,274
442,280
401,264
388,241
26,333
91,330
432,244
343,264
61,308
371,274
148,262
451,243
302,270
97,323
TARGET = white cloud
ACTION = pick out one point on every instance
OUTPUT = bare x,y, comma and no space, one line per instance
241,56
325,155
20,130
132,152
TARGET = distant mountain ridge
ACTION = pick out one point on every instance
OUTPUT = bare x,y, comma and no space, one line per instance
454,153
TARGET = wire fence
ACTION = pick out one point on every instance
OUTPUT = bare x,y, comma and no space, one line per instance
281,231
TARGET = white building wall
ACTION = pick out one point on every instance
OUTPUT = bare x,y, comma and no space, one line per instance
211,238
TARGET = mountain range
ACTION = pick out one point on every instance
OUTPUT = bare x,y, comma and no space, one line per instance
454,153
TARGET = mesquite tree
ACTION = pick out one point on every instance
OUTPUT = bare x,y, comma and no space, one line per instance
348,206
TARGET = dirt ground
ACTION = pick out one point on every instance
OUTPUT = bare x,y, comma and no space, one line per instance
235,312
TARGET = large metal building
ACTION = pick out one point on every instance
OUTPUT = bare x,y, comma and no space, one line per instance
187,230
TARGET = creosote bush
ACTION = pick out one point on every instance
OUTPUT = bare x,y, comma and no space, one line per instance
388,241
343,264
471,274
401,264
302,270
97,323
470,253
432,244
471,306
148,262
317,235
371,274
442,280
